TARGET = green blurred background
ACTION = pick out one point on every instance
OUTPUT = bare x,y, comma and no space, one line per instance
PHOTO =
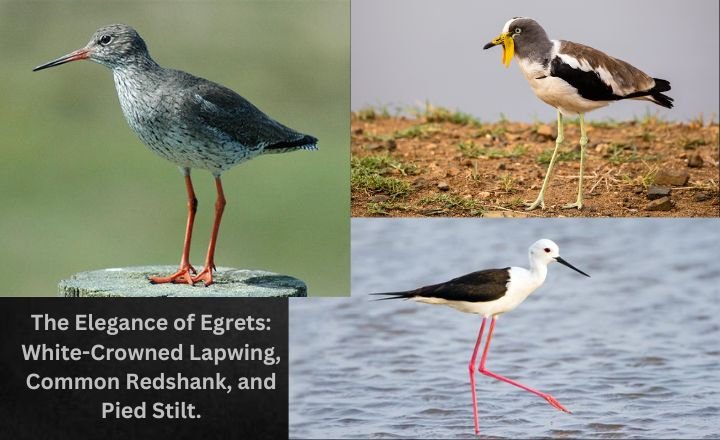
79,191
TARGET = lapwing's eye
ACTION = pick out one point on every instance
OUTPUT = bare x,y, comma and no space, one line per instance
518,30
547,250
105,40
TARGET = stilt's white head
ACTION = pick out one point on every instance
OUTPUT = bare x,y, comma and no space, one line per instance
545,251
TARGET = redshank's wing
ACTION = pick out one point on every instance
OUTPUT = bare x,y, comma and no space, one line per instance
480,286
229,114
588,70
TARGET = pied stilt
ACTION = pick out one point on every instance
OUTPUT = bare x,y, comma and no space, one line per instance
574,79
491,293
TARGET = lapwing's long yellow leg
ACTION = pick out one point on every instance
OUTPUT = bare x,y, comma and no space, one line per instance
540,201
583,142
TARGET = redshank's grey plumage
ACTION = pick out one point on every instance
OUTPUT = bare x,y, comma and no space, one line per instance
190,121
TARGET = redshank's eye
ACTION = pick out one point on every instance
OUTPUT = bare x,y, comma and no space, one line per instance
547,250
105,40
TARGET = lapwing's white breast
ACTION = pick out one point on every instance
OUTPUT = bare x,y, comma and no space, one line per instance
556,91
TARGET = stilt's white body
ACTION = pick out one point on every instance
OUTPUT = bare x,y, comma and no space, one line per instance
522,283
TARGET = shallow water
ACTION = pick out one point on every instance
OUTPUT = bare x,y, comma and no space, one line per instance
632,351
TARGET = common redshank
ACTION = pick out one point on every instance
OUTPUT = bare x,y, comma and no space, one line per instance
190,121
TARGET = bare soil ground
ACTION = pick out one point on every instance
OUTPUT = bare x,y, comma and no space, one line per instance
444,163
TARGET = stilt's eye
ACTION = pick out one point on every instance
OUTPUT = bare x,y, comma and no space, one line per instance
105,40
547,250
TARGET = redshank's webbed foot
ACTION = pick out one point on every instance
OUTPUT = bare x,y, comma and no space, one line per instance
552,401
205,275
184,275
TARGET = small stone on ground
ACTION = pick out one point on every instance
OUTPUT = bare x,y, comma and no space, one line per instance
672,177
655,192
695,161
662,204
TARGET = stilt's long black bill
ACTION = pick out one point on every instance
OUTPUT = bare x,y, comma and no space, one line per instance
79,54
563,262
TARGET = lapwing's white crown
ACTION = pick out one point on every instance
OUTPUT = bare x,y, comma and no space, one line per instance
509,22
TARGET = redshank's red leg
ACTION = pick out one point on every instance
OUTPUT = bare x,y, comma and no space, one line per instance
551,400
184,274
471,367
205,275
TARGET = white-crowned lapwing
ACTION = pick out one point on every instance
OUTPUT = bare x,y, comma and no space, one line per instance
574,79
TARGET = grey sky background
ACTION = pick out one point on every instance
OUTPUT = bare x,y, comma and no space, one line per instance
405,52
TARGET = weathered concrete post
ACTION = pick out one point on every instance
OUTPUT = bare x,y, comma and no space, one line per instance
133,282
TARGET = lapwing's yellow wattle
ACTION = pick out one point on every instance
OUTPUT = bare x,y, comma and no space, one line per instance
508,50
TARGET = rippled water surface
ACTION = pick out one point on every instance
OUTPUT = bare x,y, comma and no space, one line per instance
633,351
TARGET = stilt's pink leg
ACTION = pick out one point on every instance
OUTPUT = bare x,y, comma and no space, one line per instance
551,400
471,367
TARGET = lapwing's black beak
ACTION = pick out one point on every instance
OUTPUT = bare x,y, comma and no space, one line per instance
500,39
565,263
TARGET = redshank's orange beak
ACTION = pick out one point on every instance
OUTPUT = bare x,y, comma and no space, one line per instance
80,54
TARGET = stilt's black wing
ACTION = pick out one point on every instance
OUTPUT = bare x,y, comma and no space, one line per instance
481,286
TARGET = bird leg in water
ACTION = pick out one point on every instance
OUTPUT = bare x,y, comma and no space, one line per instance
184,274
583,143
540,201
551,400
205,275
471,367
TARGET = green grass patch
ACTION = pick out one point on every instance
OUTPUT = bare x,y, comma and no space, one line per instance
691,144
441,114
371,113
368,173
646,179
449,202
622,153
384,208
507,183
416,131
515,203
562,156
647,135
516,151
470,149
380,184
